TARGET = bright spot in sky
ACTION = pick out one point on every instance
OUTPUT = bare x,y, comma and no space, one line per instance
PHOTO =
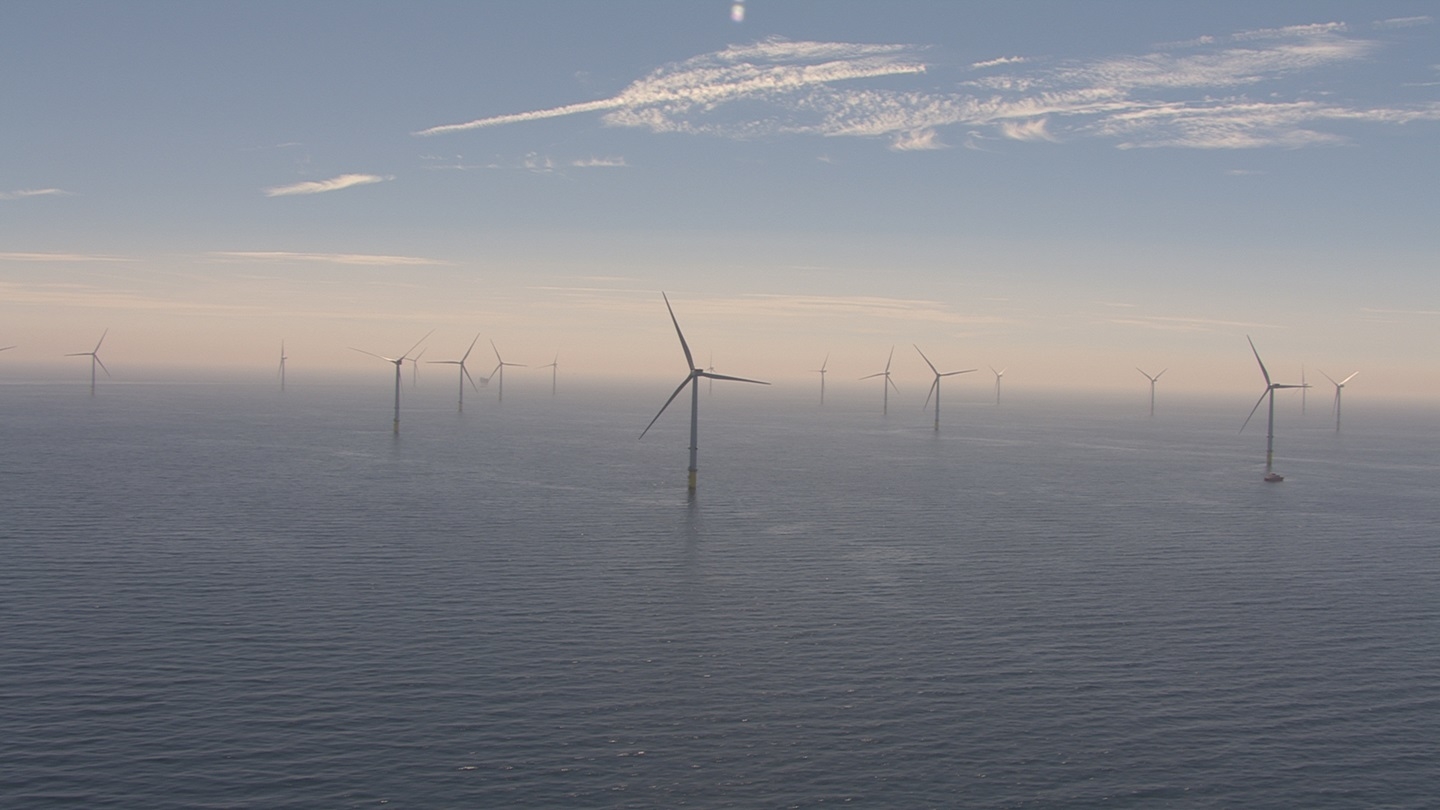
737,12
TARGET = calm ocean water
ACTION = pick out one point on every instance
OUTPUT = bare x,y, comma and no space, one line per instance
217,596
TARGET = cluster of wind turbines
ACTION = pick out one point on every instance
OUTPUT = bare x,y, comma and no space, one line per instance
1270,389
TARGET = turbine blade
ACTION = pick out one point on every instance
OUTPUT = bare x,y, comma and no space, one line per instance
708,375
888,359
953,373
827,362
1162,371
1328,377
926,359
930,393
466,355
417,344
1254,409
372,354
867,376
689,360
1348,379
497,353
1263,372
102,338
101,364
678,389
467,376
892,383
1147,376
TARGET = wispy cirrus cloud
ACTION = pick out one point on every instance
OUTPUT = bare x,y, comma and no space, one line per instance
359,259
60,257
321,186
1261,88
20,194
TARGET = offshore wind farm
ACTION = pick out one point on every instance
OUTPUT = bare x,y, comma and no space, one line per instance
231,579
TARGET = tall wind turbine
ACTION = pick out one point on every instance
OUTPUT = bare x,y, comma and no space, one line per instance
554,366
935,386
1270,388
821,372
500,365
1154,380
888,384
283,358
693,380
415,367
998,375
94,356
1338,387
464,373
398,361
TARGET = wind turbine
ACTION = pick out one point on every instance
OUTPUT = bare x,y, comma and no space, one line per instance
710,369
998,375
464,373
692,380
888,384
935,386
415,367
554,366
94,356
1270,388
1338,386
1156,379
821,372
1303,392
500,365
283,358
398,361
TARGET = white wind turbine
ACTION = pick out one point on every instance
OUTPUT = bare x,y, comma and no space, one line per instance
283,358
821,372
464,372
94,356
998,375
1152,380
554,366
398,361
888,384
415,367
692,380
1270,388
935,386
1338,387
500,365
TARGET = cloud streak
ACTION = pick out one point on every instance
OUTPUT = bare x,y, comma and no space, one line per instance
1261,88
20,194
322,186
353,259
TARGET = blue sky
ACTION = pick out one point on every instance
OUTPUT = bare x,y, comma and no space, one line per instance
1067,190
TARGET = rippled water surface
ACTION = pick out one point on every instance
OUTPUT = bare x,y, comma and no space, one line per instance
223,597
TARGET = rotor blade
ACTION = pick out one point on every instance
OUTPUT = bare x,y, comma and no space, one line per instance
1348,379
1328,377
926,359
1281,385
466,355
1147,376
372,354
953,373
892,383
445,362
102,338
101,364
708,375
689,360
417,344
930,393
466,374
891,357
866,377
678,389
8,348
827,362
1258,360
1162,371
497,353
1254,409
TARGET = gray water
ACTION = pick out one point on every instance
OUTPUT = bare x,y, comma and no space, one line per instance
215,596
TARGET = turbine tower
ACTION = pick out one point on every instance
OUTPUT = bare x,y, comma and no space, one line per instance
398,361
283,358
1338,387
935,386
1152,380
464,373
554,366
887,384
94,356
821,372
998,375
500,365
692,379
1270,389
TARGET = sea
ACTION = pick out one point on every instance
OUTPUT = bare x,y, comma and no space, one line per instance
225,596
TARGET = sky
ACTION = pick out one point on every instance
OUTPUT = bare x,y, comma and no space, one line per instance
1067,191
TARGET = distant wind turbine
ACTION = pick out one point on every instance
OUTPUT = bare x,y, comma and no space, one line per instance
1270,388
554,366
500,365
692,379
1152,380
1304,387
998,375
464,372
711,381
94,356
821,372
935,386
415,367
887,384
398,361
1338,387
283,358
